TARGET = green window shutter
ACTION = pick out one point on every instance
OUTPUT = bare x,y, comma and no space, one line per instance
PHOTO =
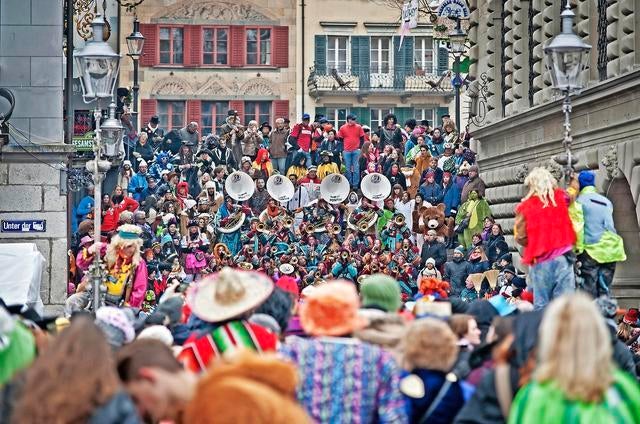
443,60
360,59
321,111
439,113
403,60
364,117
403,113
321,54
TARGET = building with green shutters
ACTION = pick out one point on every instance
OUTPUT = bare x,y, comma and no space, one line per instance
358,64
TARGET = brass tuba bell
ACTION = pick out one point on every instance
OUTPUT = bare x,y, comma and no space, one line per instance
310,228
261,227
288,222
274,250
399,220
335,229
294,261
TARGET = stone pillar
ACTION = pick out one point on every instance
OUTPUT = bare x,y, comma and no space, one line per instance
613,47
520,56
507,71
494,23
626,35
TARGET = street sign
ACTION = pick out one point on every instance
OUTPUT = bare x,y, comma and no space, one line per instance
24,226
454,9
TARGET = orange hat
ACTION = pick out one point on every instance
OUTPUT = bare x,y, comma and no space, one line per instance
332,310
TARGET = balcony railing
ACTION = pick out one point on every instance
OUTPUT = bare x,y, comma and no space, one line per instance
365,80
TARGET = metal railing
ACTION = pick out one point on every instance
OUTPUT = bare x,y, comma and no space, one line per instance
407,79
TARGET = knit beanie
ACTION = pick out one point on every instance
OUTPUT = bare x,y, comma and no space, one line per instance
382,291
586,178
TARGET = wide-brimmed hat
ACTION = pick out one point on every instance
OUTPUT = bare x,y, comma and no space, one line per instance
228,294
86,240
332,310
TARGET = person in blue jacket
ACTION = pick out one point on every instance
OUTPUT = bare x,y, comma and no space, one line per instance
431,191
138,185
450,195
83,209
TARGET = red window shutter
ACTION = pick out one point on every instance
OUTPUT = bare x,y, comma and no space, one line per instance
238,46
151,44
281,46
196,45
280,109
148,108
194,111
238,105
186,45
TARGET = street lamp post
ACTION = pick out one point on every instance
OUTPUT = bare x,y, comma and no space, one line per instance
567,56
457,40
98,66
135,42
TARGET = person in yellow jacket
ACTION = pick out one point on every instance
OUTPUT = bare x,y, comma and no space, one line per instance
298,167
598,245
327,166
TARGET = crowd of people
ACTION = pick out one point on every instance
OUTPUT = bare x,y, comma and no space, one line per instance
221,302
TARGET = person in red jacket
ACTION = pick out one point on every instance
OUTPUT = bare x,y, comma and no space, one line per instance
544,228
119,203
352,136
302,134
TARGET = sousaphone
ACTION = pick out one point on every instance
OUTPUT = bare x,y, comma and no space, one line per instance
334,188
375,187
239,186
280,188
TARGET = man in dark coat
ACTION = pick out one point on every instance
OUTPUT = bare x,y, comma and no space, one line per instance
457,271
432,248
474,183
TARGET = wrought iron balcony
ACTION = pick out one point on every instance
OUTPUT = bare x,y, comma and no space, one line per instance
397,80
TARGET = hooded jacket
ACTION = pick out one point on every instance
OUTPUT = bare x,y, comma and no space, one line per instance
473,184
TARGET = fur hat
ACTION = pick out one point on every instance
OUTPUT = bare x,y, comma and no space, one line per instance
261,389
380,290
464,167
331,310
429,343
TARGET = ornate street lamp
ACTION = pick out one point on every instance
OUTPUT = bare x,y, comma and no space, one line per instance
99,65
457,46
135,43
567,57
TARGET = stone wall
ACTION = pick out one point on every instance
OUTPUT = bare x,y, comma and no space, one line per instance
31,66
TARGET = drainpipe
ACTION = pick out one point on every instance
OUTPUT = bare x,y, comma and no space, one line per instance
303,82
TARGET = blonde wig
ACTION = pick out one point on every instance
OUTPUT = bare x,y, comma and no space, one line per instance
574,350
429,344
542,184
118,242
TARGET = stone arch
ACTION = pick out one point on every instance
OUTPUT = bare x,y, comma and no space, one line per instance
258,87
171,86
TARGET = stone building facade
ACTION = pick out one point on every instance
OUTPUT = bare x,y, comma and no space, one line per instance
519,124
31,66
203,58
356,63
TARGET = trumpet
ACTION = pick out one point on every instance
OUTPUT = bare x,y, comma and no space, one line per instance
245,265
249,251
335,229
294,261
363,226
288,222
310,229
274,250
399,220
261,227
376,250
374,268
344,255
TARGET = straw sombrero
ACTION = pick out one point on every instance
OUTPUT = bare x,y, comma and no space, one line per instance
228,294
476,279
492,277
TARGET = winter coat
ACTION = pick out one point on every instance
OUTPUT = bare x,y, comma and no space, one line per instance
399,178
448,406
138,187
391,136
475,184
278,139
112,215
456,274
146,153
383,329
435,250
451,199
496,247
431,193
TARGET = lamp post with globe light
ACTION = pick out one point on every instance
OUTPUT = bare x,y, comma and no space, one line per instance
98,66
566,59
135,43
457,43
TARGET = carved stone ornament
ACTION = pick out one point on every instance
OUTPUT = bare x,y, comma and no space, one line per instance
170,86
610,162
554,168
212,86
521,172
213,11
258,87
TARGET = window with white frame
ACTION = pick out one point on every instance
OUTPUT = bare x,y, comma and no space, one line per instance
337,116
337,53
171,46
258,46
380,54
423,54
213,116
426,112
215,46
377,117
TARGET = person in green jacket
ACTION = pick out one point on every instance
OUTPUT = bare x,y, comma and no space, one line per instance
575,380
472,213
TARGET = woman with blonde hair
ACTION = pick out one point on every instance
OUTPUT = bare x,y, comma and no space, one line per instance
575,378
548,253
432,394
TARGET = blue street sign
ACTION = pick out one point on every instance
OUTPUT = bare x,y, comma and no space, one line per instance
24,226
